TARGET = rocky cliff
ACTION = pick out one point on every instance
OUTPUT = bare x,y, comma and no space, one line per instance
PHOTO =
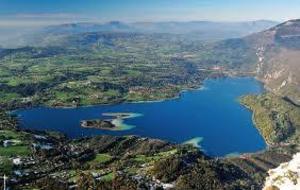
286,176
278,54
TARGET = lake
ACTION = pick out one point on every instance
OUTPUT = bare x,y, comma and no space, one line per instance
210,117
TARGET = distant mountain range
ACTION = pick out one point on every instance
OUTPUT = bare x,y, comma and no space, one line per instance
200,30
198,27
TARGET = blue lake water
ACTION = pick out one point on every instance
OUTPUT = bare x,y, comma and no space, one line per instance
212,113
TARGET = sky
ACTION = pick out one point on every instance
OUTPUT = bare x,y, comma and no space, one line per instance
45,12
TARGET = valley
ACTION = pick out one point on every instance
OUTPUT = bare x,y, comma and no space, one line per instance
94,68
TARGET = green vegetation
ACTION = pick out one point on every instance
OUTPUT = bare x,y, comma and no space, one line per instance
153,158
12,134
101,159
6,165
277,119
100,68
14,151
17,145
13,143
108,177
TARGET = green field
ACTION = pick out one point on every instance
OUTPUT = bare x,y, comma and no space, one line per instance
110,68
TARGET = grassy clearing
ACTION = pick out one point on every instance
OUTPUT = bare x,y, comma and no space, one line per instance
108,177
100,159
19,150
14,135
156,157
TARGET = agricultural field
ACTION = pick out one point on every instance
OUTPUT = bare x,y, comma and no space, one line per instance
100,68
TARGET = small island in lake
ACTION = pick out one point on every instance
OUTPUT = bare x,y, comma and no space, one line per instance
97,124
116,123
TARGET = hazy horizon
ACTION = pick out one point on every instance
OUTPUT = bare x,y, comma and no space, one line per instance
34,13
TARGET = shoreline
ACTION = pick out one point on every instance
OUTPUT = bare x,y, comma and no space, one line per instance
177,96
200,87
255,125
195,142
